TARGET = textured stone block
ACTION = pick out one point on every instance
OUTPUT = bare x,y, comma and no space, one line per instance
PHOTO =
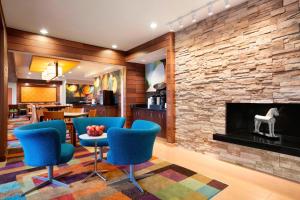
249,53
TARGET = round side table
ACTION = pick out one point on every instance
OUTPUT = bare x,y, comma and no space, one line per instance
95,139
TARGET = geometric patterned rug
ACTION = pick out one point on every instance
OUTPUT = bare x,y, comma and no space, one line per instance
168,182
12,141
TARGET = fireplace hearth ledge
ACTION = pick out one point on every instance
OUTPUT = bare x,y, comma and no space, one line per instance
236,139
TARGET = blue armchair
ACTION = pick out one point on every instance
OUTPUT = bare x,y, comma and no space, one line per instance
80,125
44,145
132,146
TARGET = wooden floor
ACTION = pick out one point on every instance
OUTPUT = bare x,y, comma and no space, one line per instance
243,183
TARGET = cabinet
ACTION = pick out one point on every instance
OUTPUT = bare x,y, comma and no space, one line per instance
157,116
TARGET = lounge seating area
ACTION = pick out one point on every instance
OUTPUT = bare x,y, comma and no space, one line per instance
150,100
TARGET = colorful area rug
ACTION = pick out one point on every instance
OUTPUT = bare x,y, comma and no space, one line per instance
168,182
12,141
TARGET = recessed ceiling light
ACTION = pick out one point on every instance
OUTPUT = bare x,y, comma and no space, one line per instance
153,25
43,31
114,46
29,73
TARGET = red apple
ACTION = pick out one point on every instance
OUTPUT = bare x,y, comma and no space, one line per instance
102,127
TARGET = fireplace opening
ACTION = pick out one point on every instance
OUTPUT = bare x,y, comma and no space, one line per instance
248,125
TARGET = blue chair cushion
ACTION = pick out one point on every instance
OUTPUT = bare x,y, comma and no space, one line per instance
90,143
66,153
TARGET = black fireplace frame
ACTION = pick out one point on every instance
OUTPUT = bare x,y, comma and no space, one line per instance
257,141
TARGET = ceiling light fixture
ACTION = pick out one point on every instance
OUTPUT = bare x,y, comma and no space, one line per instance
26,84
44,31
70,72
194,19
180,24
52,71
114,46
210,9
153,25
171,28
29,73
227,4
78,66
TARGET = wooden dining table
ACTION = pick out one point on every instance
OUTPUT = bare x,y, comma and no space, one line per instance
75,114
72,132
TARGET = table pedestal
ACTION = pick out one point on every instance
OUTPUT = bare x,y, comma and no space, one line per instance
95,171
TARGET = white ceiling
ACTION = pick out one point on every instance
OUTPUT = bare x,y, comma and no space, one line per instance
150,57
102,22
87,71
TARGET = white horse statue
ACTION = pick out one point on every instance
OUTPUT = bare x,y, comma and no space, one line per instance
269,119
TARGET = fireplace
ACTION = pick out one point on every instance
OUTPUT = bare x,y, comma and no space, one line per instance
240,127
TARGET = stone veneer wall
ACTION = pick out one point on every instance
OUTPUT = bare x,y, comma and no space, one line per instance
249,53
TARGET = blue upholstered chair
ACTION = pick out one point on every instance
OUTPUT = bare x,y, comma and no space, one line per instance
132,146
44,145
80,125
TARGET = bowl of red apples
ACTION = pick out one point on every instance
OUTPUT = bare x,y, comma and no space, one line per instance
95,131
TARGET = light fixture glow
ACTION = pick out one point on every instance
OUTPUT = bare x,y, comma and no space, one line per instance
52,71
114,46
26,84
210,9
171,28
227,4
44,31
29,73
78,66
153,25
70,72
180,24
194,19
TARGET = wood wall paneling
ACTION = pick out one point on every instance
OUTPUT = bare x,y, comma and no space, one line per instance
43,45
135,89
3,87
135,95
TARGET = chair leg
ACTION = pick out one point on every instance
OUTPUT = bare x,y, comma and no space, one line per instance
49,180
130,177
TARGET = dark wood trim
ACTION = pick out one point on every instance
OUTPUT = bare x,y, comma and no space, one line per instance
148,47
3,87
41,82
135,92
44,45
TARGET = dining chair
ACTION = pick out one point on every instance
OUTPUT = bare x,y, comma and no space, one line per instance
132,146
34,115
92,113
53,115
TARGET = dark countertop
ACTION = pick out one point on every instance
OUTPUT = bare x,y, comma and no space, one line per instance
93,105
144,107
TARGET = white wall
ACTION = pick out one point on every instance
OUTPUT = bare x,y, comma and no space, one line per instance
13,86
62,92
